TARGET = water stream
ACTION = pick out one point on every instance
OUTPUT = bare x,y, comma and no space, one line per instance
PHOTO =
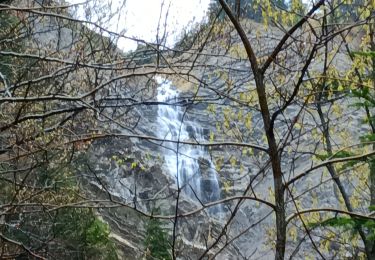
191,166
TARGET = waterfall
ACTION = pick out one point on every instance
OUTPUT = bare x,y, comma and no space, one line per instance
191,167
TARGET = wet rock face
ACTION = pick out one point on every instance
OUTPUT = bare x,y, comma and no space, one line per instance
152,184
209,187
143,180
123,173
191,132
136,172
209,190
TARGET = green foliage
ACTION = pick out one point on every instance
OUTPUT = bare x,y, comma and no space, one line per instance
85,233
343,222
8,28
156,241
144,54
258,10
367,100
339,154
77,234
365,53
97,232
365,95
349,10
349,224
68,233
247,10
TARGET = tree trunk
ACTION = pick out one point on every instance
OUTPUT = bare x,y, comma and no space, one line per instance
372,160
276,169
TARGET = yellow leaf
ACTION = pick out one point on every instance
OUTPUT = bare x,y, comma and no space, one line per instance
242,96
233,161
240,115
293,233
227,186
248,121
226,123
212,136
218,127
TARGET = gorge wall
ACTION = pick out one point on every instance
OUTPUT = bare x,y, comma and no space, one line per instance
189,146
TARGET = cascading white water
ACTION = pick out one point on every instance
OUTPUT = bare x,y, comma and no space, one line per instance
191,166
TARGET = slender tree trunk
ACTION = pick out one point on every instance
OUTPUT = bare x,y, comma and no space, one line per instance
371,122
328,147
276,168
238,9
372,162
273,152
369,244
